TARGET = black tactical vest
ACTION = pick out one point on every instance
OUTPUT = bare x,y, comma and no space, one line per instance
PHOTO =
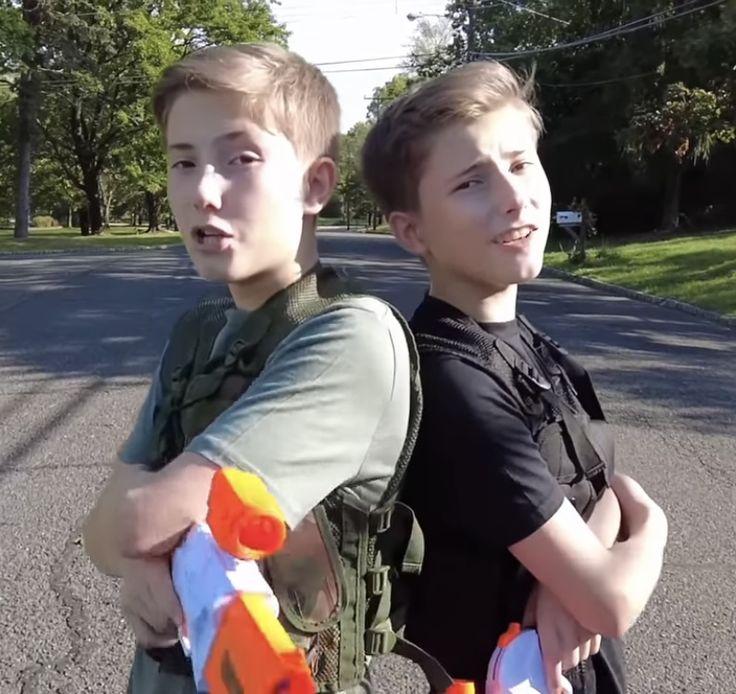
568,424
340,602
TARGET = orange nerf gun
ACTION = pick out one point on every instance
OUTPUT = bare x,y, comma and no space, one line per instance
232,633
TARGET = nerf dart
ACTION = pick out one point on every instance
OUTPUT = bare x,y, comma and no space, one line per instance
517,666
232,633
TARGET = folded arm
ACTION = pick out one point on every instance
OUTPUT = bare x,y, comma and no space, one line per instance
304,427
506,495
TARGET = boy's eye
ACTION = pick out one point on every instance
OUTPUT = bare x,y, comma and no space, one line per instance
243,158
182,164
470,183
521,166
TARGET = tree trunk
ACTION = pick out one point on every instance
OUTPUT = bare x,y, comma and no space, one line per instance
106,194
91,181
69,221
347,214
152,210
27,107
84,221
672,191
27,114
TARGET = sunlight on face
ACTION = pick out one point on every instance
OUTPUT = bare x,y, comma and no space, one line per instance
484,201
234,187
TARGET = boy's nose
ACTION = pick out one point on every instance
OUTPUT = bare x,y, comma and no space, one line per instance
513,195
210,190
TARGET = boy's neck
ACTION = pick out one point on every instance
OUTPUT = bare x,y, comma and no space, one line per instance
480,303
256,291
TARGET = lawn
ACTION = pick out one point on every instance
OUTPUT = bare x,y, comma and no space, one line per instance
698,269
59,239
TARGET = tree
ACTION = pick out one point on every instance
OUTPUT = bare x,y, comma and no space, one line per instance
100,62
683,128
385,94
355,198
8,114
20,61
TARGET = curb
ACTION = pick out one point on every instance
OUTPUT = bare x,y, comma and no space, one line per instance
84,251
641,296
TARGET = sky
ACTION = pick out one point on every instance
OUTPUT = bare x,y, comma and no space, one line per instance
363,31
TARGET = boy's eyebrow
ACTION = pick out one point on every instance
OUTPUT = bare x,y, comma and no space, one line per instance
225,137
180,147
484,160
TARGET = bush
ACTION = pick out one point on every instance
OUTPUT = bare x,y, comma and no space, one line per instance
44,221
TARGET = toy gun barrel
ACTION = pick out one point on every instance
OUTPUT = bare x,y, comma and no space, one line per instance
237,641
244,518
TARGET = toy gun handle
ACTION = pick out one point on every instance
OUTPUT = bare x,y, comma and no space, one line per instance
251,651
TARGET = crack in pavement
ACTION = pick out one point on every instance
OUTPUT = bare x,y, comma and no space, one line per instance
72,605
72,608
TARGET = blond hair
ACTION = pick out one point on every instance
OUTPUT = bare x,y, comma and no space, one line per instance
397,147
280,90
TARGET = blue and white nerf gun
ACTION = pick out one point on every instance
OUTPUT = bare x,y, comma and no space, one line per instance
517,665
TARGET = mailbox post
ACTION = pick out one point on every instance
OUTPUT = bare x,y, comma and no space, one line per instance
572,222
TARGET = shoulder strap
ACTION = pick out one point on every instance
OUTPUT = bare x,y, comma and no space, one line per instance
577,375
192,337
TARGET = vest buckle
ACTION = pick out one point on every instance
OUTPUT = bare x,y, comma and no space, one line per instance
377,580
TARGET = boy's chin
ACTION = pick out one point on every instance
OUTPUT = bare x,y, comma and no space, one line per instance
530,273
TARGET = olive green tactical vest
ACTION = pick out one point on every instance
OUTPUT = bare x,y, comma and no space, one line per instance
337,578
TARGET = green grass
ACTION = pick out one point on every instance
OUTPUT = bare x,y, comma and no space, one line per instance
330,222
698,269
59,239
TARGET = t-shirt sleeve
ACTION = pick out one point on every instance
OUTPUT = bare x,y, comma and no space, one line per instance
482,474
306,423
136,449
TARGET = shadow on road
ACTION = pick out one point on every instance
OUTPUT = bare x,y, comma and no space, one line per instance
109,319
642,351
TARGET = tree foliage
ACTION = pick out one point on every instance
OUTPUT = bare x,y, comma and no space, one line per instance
94,64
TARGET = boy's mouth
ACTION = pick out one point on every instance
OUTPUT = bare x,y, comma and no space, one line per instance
206,232
212,239
515,235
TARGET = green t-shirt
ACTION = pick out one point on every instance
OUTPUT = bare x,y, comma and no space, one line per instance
330,409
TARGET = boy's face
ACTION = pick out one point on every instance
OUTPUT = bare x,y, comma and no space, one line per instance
236,189
484,202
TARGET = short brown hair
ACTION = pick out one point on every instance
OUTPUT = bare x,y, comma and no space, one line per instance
279,88
398,145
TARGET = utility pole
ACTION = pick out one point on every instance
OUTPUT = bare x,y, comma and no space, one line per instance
470,39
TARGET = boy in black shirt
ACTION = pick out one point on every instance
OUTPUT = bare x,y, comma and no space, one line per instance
512,478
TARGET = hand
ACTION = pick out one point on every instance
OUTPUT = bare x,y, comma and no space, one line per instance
149,602
564,642
637,507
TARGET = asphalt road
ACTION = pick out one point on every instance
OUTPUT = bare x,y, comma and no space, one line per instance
79,336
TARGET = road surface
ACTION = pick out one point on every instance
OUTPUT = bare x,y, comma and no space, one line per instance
79,336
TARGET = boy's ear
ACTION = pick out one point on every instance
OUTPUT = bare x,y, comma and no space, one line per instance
319,184
406,230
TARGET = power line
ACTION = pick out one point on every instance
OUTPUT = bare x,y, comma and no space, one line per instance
521,8
598,82
366,69
628,28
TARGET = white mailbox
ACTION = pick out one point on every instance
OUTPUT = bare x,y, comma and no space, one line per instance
569,218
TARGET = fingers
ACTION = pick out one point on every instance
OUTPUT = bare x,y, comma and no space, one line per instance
595,644
145,635
571,659
584,651
553,673
162,596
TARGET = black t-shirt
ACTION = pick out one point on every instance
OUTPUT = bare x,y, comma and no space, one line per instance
478,484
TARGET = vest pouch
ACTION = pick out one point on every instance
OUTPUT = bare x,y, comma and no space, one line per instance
306,576
551,441
210,399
